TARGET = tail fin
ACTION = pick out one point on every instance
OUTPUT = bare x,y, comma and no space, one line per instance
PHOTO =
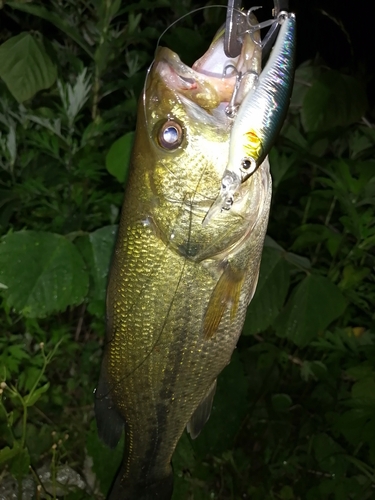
160,489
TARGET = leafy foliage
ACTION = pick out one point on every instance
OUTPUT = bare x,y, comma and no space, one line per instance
26,68
294,412
41,272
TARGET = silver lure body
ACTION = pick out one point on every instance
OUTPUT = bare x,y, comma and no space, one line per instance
261,115
263,110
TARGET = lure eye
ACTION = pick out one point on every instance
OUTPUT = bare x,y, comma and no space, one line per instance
170,135
248,165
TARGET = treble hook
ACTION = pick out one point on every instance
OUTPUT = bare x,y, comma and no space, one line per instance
235,29
269,39
259,26
232,107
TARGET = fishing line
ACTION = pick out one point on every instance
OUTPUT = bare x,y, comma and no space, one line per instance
273,23
147,81
148,354
251,28
158,44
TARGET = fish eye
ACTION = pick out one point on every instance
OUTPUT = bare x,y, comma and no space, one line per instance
170,135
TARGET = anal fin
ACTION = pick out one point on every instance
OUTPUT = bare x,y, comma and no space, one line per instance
202,413
226,292
109,422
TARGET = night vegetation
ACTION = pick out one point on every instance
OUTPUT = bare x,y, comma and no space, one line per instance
294,413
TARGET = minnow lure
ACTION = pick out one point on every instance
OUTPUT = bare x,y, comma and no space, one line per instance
260,116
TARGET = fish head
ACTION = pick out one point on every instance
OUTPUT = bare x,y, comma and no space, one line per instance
182,142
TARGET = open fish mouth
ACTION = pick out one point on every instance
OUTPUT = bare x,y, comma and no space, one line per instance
213,79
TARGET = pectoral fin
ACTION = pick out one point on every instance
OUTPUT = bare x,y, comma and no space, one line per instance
226,292
109,422
202,413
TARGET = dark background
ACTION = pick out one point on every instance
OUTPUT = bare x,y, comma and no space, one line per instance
321,27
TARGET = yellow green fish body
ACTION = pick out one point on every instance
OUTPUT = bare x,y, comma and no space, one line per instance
178,289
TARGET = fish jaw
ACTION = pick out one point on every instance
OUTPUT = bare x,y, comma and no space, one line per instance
210,82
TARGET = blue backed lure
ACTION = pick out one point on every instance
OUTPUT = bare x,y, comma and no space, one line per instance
260,115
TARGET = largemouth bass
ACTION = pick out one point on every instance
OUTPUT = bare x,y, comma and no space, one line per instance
178,288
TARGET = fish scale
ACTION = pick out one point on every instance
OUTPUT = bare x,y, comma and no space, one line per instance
178,289
169,326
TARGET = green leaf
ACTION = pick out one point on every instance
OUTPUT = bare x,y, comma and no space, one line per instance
183,465
118,157
364,391
361,371
5,432
102,244
353,276
28,376
271,292
281,402
314,304
309,235
44,272
286,493
294,259
183,457
17,458
291,132
228,410
315,370
7,453
304,76
17,351
32,398
39,440
97,249
334,100
105,460
20,463
329,454
54,18
25,66
281,164
352,424
116,4
298,260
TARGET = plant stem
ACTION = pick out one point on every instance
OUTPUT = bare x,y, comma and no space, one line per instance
308,203
95,89
326,222
97,72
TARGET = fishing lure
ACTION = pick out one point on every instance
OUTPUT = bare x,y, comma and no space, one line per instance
259,117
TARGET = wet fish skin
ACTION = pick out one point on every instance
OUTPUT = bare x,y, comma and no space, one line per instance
178,290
